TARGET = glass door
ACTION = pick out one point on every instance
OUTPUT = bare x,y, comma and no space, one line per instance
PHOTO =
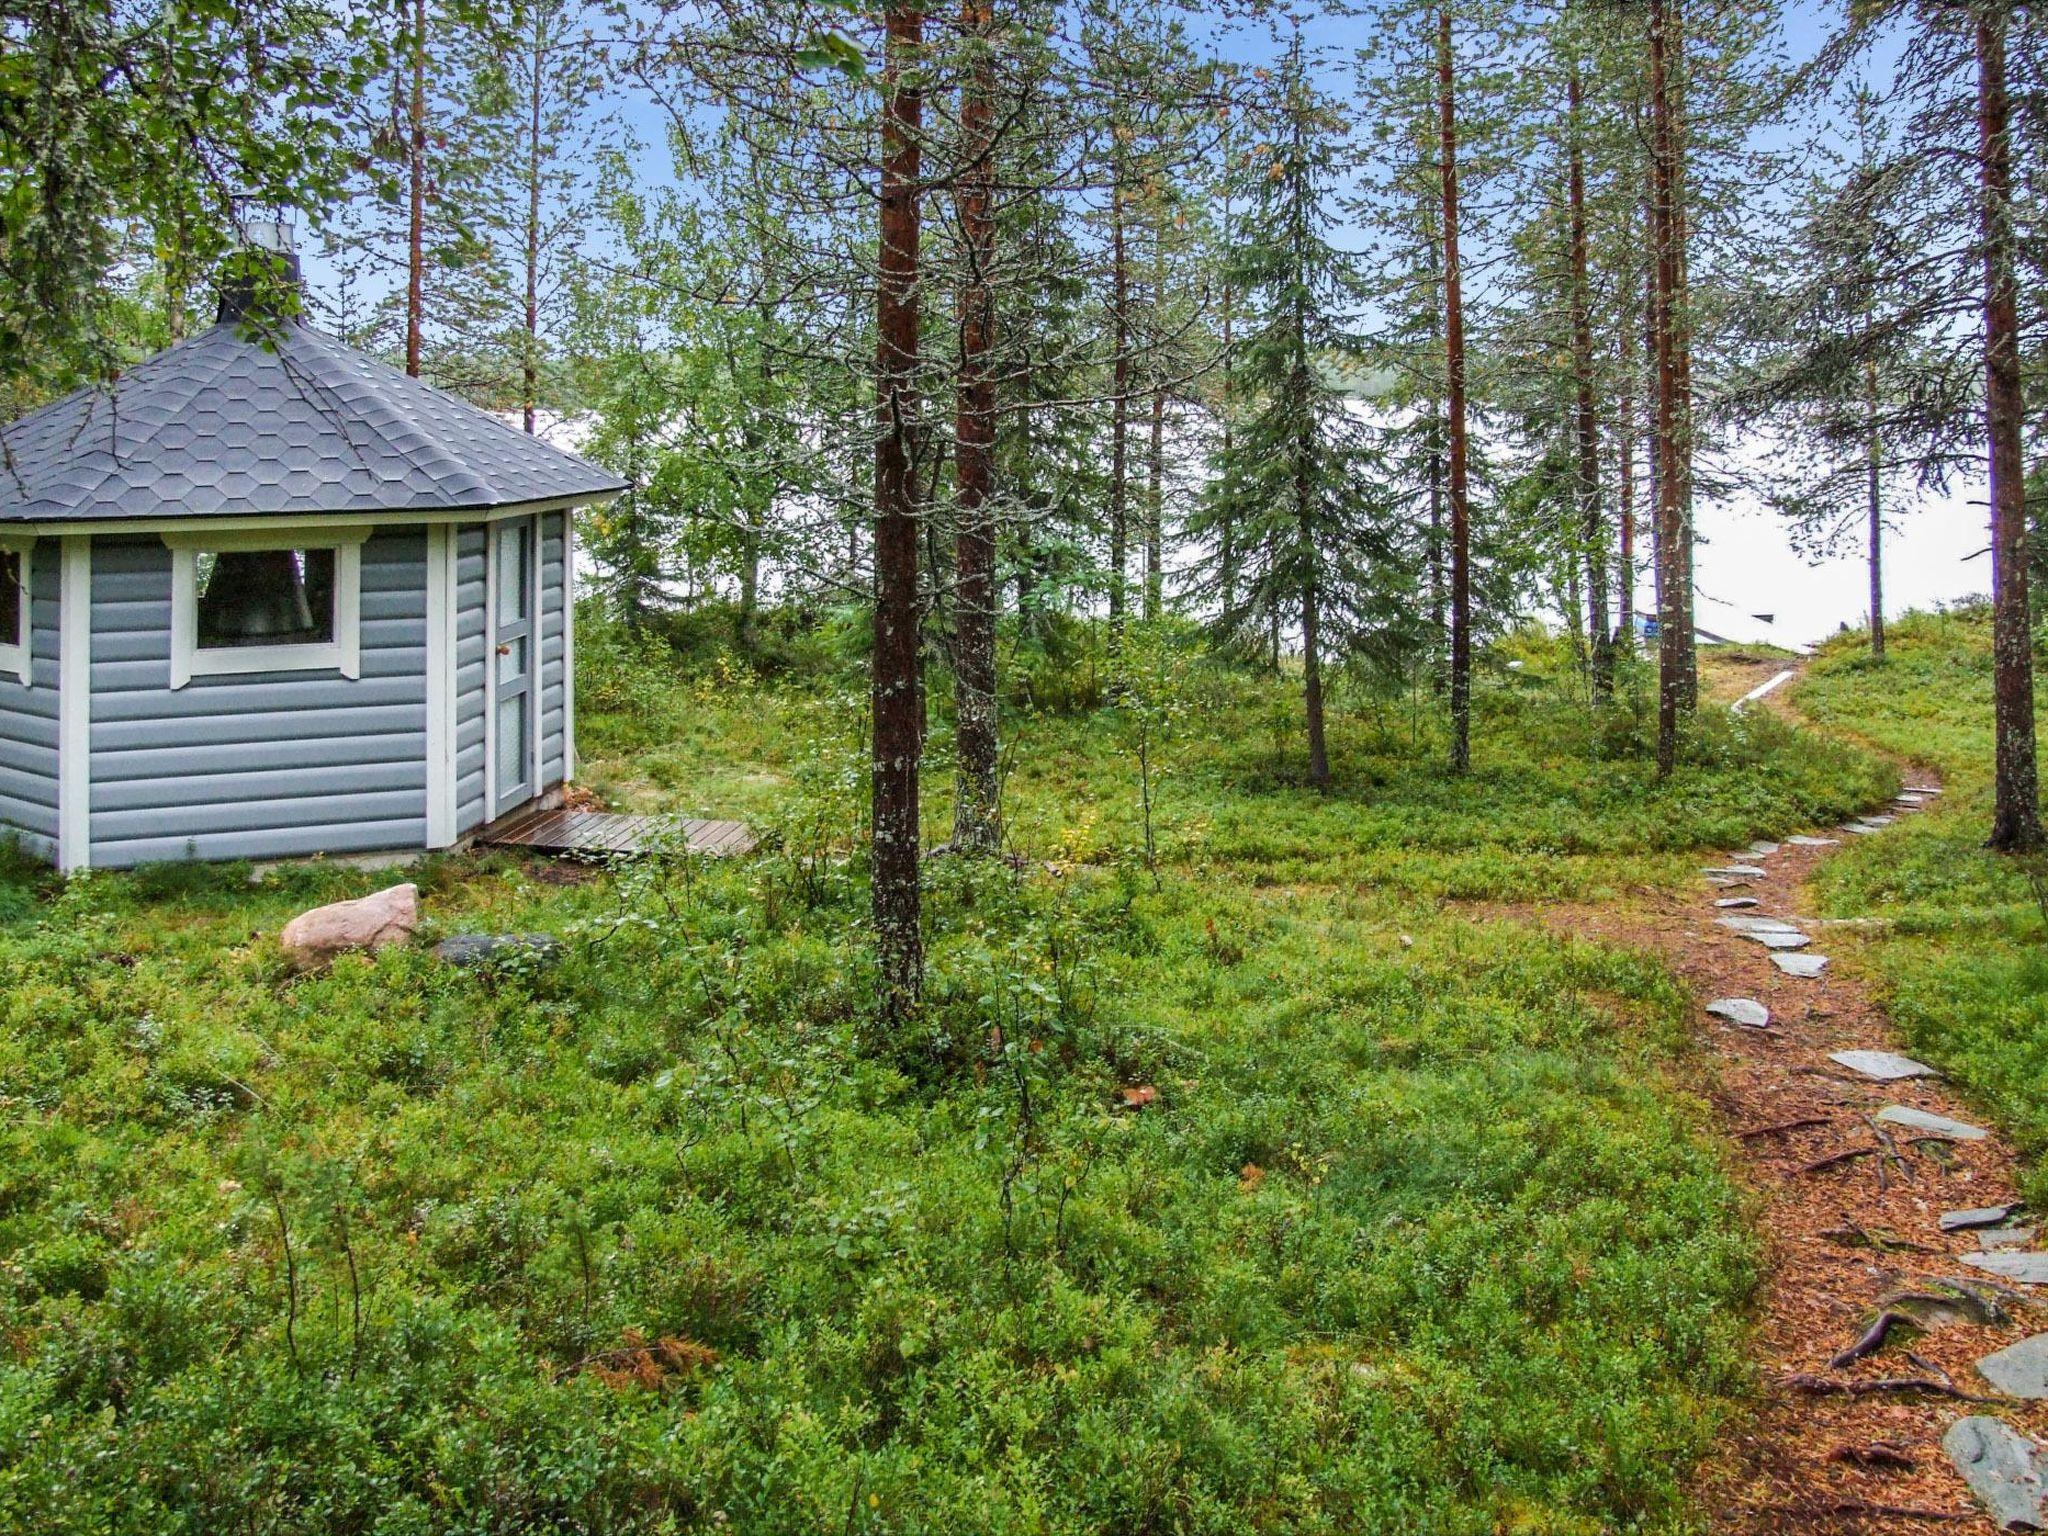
513,655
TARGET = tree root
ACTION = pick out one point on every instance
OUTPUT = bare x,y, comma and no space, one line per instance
1820,1386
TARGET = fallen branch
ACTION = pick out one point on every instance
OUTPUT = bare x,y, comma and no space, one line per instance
1838,1158
1789,1125
1879,1453
1821,1386
1858,1509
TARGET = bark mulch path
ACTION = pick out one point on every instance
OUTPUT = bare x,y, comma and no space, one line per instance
1848,1209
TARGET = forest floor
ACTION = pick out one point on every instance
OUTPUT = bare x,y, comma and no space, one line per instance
1826,1448
1269,1182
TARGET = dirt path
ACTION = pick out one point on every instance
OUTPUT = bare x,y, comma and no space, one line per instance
1826,1449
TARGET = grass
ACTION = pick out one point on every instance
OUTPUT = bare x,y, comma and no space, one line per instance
1965,962
1261,1190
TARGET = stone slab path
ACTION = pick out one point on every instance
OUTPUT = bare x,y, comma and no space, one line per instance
1854,1159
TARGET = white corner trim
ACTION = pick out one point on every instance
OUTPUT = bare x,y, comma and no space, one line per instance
74,706
536,648
342,654
15,648
568,646
441,813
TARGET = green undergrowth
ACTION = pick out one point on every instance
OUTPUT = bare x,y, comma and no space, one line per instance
1965,956
1262,1190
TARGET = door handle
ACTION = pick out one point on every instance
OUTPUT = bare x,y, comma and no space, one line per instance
504,650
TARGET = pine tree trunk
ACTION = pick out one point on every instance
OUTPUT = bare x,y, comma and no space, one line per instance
2016,812
898,743
1625,518
1227,403
1155,506
1873,490
1438,587
416,214
1454,372
1592,527
1676,684
1120,405
529,350
975,811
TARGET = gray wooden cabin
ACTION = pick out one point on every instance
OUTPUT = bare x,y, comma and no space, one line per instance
266,598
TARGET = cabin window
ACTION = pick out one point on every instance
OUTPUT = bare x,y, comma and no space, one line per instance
275,601
14,609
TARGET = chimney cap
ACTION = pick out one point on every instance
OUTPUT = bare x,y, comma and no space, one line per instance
264,225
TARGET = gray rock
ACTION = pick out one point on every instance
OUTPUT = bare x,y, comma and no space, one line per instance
468,949
1777,939
2005,1470
1746,1011
1923,789
1885,1066
2021,1370
1814,842
1862,829
1878,821
2026,1268
1780,941
1999,1239
1736,901
1761,849
1735,871
1804,966
1756,924
1930,1125
1976,1216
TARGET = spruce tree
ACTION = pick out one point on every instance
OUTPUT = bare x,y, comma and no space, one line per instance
1313,531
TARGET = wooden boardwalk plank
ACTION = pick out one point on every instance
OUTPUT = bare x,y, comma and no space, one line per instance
603,833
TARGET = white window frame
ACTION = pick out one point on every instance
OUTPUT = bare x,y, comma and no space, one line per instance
342,654
14,649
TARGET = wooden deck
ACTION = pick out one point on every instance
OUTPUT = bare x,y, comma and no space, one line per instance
601,833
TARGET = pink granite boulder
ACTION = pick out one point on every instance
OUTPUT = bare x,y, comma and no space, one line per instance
314,938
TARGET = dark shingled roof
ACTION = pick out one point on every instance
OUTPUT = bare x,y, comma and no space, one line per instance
221,425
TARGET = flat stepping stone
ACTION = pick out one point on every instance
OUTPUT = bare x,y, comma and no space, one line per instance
1736,901
1746,1011
1877,821
1863,831
2000,1239
1923,789
2026,1268
1736,872
1814,842
1762,849
1756,924
1931,1125
2021,1370
2005,1470
1773,938
1885,1066
1806,967
1977,1216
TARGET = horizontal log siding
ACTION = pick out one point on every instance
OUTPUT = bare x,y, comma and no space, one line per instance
28,717
267,765
470,812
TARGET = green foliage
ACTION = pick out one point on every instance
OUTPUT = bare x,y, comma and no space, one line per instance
129,130
1964,960
1279,1195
